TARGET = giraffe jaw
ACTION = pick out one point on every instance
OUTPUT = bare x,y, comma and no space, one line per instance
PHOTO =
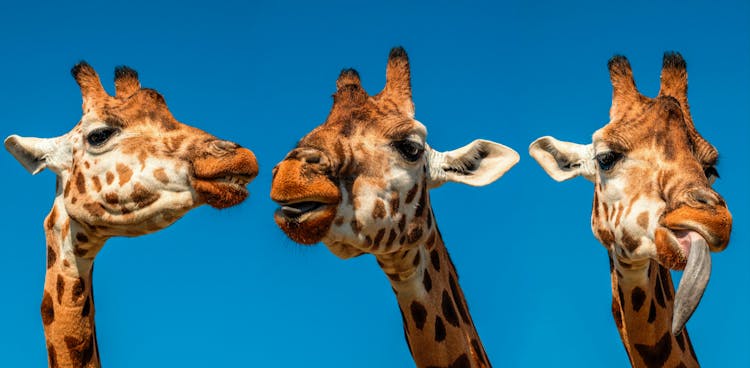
223,192
305,221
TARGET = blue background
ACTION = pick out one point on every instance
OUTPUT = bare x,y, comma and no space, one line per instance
227,288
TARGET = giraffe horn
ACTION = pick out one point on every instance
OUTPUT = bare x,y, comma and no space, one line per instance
674,83
126,81
692,284
91,86
398,80
348,89
624,92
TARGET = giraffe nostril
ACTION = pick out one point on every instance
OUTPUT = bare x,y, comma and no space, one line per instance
705,197
225,145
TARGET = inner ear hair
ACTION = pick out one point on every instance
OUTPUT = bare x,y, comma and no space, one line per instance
466,164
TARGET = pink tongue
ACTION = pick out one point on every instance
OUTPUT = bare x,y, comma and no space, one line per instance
686,238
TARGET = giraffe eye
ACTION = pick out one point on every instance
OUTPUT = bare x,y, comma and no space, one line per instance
100,136
410,150
711,174
608,159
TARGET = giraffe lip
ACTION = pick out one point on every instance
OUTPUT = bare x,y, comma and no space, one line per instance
300,208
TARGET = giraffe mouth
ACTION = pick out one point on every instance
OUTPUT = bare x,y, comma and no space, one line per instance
300,211
223,192
305,221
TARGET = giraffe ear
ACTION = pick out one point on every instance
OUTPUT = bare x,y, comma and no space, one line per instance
35,154
478,163
563,160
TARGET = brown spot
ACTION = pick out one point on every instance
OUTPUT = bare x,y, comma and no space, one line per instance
51,356
637,297
654,356
417,258
449,310
142,197
429,221
422,203
48,309
402,223
619,214
51,218
81,252
605,236
659,292
418,314
86,163
395,202
378,211
78,288
86,310
142,156
111,198
67,189
427,281
97,184
439,329
355,226
630,243
94,208
81,237
391,238
80,183
379,237
617,313
435,258
124,173
412,193
81,351
414,234
430,241
110,178
652,312
458,297
642,220
66,263
461,362
60,288
339,221
51,257
161,175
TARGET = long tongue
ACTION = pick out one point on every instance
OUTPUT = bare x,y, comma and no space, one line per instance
693,283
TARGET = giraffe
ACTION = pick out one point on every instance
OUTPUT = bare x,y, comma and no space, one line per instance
359,183
128,168
653,209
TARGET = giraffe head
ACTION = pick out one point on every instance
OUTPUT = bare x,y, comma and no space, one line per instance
652,175
129,167
359,181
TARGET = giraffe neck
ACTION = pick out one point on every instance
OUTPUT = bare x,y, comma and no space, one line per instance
642,299
68,301
437,324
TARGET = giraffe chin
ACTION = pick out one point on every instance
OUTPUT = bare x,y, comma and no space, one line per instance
221,194
307,227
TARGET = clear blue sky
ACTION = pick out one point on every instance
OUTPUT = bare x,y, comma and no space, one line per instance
227,288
